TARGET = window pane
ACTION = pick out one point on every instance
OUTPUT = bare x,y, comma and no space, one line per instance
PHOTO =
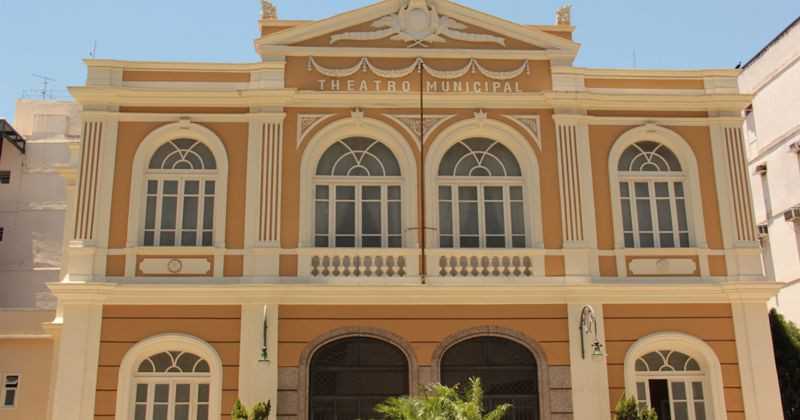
467,193
182,412
395,242
445,193
516,193
182,393
679,391
371,218
170,187
627,220
699,411
469,241
11,395
679,189
371,193
629,243
468,218
518,241
345,193
208,213
140,413
494,218
322,192
345,241
202,393
192,187
681,411
624,189
160,412
169,209
394,193
321,218
646,240
680,206
321,242
662,189
495,242
493,193
190,213
644,215
697,390
202,412
167,239
371,241
149,238
345,218
210,187
162,393
684,240
141,393
446,241
664,211
641,393
395,220
517,219
667,240
208,238
150,218
152,187
642,190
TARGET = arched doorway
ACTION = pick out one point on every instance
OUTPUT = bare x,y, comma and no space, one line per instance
508,372
349,376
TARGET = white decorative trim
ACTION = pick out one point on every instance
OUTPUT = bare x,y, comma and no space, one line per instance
685,154
162,343
412,123
270,177
365,64
141,159
692,346
175,266
531,124
589,376
307,122
570,181
483,127
662,266
358,127
741,196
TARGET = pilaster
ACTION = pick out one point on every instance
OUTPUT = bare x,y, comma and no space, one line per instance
762,398
75,377
258,379
589,373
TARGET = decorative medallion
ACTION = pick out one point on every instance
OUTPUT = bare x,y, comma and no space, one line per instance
419,24
174,266
306,122
412,123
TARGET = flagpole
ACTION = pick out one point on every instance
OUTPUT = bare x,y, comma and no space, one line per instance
423,262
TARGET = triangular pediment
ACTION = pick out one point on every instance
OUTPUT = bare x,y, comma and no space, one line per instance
419,24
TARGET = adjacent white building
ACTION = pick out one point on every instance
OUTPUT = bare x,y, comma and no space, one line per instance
772,131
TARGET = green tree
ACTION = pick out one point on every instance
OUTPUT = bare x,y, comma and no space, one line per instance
629,409
439,402
239,411
260,411
786,344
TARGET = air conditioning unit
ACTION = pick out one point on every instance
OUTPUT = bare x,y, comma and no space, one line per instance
795,147
792,215
763,231
761,169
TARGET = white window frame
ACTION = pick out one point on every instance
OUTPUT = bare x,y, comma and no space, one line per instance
697,349
359,126
139,171
358,183
129,375
506,183
691,184
671,377
181,177
5,390
194,380
652,178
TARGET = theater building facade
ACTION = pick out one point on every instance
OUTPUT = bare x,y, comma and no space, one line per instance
407,193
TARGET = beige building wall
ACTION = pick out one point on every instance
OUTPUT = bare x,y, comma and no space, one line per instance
773,126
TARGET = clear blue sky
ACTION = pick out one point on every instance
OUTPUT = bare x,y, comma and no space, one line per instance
50,37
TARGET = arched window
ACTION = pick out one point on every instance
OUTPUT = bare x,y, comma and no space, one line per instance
180,191
348,377
172,385
358,196
508,372
652,197
673,384
480,197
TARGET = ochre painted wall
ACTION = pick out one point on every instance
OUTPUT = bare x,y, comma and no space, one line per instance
32,360
124,326
712,323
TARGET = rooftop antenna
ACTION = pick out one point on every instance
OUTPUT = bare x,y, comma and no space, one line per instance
634,58
93,52
45,81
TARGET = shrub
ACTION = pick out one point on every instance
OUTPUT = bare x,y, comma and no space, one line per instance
628,409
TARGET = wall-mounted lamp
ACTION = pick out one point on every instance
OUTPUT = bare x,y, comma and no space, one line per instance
264,338
588,324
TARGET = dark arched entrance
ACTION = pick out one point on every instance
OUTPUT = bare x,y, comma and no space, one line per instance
348,377
507,369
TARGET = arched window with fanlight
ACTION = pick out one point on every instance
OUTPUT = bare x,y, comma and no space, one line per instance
481,197
357,196
652,197
673,384
180,188
172,385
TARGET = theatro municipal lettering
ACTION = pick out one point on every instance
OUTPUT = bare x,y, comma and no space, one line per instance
406,86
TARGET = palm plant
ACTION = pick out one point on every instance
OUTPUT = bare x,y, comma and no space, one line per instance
440,402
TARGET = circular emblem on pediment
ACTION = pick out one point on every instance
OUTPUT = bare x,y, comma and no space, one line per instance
174,266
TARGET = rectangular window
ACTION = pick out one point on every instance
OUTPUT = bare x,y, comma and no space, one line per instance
2,233
5,177
481,216
653,214
10,390
179,212
164,399
366,216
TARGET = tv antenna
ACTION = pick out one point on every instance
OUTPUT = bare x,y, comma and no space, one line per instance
45,81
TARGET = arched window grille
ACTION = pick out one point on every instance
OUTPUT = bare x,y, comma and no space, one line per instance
172,385
357,191
481,197
673,384
508,372
652,197
180,192
348,377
